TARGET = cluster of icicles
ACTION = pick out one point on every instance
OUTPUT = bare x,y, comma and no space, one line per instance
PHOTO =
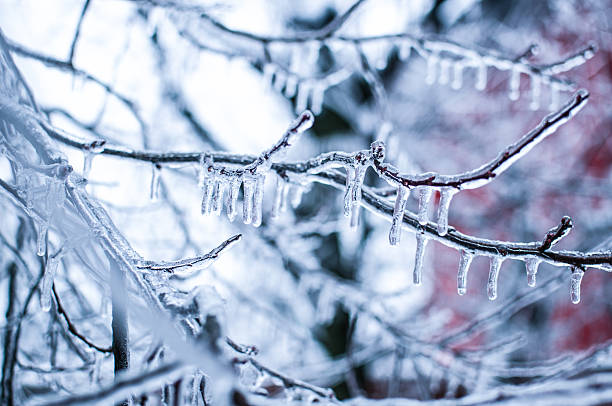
221,184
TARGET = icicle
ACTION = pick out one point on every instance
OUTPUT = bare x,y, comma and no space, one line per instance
493,274
464,267
398,215
280,79
515,84
355,188
350,175
444,71
87,160
41,243
217,201
234,190
316,100
531,265
457,76
481,77
279,197
575,281
46,284
419,258
296,196
446,196
247,203
291,86
404,50
208,191
536,82
268,73
303,93
155,179
424,198
258,200
432,61
554,97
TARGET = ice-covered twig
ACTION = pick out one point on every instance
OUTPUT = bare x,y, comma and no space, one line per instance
486,173
554,235
190,265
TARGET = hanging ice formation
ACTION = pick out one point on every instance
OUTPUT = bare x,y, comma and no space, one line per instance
155,179
419,258
446,196
93,149
218,181
464,267
494,268
531,265
575,281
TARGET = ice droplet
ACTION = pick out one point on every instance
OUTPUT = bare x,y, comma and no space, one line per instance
536,87
234,190
258,200
481,77
419,258
531,265
457,76
493,274
247,203
425,194
515,84
398,215
432,61
446,196
155,179
575,281
464,267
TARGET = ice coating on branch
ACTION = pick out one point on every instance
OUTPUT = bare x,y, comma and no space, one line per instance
464,267
232,199
425,194
258,200
481,77
446,196
398,215
155,179
432,61
46,284
575,281
419,258
247,204
514,85
536,88
531,265
457,76
494,268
